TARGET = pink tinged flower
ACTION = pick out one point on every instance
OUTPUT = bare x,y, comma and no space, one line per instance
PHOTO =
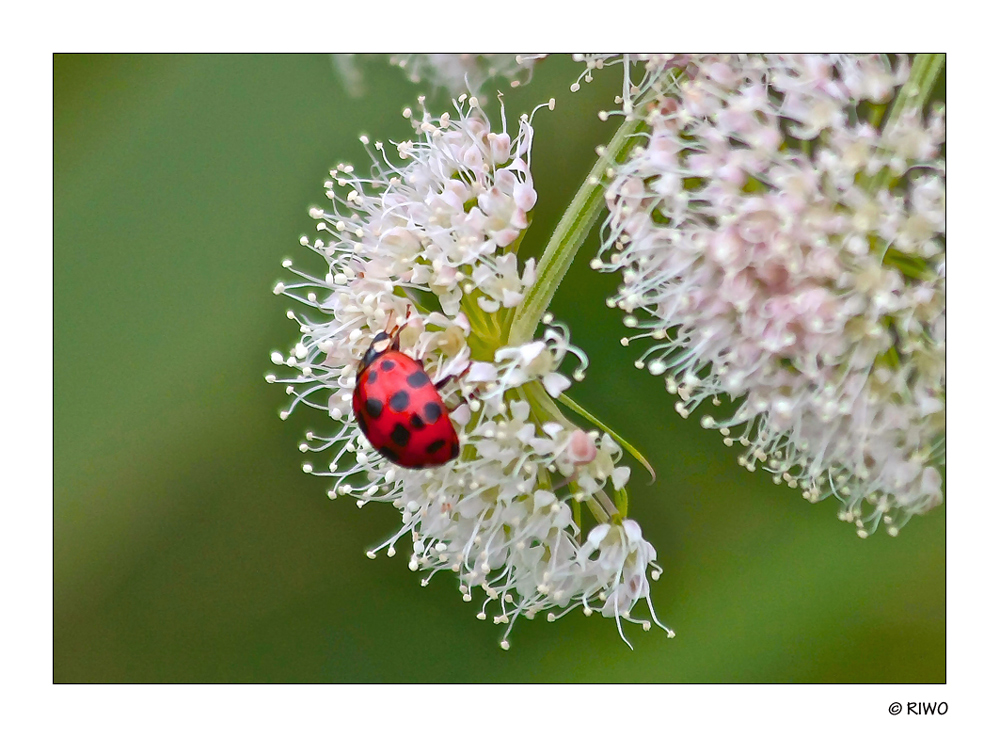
780,249
581,449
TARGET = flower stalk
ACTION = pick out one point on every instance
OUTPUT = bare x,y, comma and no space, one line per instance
570,233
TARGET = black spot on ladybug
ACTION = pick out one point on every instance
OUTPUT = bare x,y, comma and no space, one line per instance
399,401
417,422
373,407
388,365
454,451
389,454
372,376
432,411
400,435
417,379
436,446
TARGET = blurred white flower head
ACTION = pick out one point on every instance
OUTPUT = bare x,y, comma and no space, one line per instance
459,73
454,73
427,241
780,237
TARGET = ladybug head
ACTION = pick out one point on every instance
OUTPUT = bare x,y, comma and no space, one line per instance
380,344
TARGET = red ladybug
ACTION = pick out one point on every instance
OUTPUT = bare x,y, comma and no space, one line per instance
400,410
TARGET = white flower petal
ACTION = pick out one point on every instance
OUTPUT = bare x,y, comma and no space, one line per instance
620,476
555,384
481,372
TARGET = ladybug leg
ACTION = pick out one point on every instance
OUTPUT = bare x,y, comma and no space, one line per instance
438,385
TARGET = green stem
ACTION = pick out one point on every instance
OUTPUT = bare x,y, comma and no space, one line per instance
544,406
919,86
914,93
569,235
621,502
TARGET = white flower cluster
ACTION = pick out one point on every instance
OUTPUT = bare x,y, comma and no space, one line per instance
428,244
780,237
462,73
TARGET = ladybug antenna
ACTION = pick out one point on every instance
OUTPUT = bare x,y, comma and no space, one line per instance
395,329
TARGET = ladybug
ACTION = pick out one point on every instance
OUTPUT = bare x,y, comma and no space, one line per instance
400,410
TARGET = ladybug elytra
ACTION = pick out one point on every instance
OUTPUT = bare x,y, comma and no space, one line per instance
400,410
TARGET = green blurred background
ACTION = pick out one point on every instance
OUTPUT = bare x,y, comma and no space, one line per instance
189,546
